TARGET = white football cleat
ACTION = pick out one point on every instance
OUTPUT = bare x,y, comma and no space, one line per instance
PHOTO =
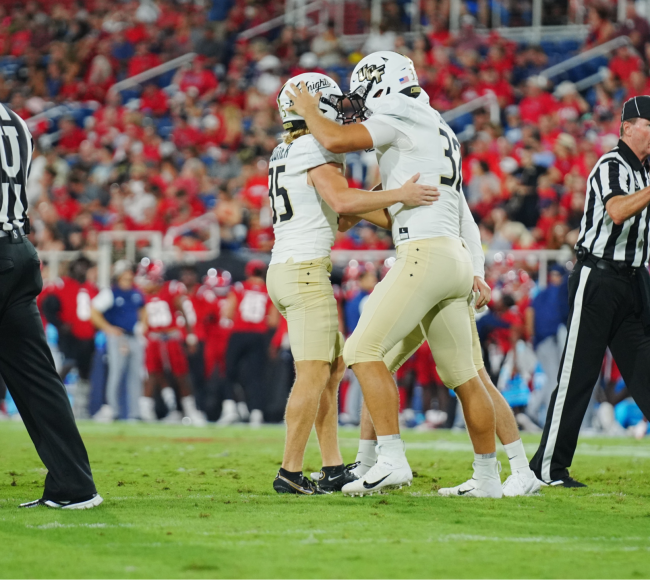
520,483
229,414
148,410
256,418
104,415
197,418
242,410
173,418
387,473
477,486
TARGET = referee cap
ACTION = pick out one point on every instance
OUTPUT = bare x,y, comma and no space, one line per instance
636,107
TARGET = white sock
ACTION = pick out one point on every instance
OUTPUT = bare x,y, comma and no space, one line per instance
517,457
391,446
367,454
485,465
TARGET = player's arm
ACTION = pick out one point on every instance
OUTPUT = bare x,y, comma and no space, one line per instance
471,235
347,222
100,304
334,137
190,323
52,310
530,322
230,306
144,320
332,186
273,318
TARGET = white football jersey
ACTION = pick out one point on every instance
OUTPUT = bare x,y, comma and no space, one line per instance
411,137
303,224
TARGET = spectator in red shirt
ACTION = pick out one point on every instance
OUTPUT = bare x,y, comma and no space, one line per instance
198,77
143,60
637,84
184,134
624,63
489,81
71,136
153,100
256,188
537,101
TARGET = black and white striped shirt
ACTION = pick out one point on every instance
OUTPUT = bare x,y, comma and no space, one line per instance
16,146
618,172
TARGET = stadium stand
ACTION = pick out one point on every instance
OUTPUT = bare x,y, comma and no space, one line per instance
177,143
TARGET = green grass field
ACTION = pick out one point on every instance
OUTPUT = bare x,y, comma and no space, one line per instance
198,503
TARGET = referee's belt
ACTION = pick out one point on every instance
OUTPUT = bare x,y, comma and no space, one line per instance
7,233
614,266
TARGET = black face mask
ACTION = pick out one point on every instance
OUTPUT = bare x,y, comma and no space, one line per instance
357,99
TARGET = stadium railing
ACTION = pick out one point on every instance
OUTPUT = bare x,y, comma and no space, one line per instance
575,61
296,14
55,259
532,259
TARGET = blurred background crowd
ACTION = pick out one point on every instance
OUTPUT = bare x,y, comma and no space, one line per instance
194,142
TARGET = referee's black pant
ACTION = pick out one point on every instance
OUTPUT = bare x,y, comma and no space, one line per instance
601,314
27,367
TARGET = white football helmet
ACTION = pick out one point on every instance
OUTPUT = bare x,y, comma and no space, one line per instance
378,75
330,100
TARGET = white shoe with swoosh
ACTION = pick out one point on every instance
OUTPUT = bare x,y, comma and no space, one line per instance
477,487
387,473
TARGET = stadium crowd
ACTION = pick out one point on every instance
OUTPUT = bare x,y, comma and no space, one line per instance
196,140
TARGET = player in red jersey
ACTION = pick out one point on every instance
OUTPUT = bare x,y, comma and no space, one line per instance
199,312
165,353
67,307
218,326
253,314
214,332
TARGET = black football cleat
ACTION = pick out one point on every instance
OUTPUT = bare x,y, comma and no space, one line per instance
567,481
84,503
332,479
303,486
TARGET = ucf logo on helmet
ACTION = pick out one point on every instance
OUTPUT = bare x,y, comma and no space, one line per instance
370,72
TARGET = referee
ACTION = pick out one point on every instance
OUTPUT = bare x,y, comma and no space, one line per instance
609,294
25,359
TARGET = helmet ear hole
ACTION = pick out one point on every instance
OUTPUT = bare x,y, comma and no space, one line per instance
378,93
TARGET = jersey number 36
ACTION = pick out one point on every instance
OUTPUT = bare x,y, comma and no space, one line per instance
275,191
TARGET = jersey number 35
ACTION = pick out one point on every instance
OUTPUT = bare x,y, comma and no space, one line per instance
275,191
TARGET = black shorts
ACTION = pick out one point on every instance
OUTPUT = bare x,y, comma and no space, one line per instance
77,351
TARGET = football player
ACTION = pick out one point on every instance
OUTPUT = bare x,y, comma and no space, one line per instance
164,354
253,315
308,190
426,292
67,307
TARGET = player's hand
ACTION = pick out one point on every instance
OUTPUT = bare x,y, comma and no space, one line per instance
415,194
485,292
302,100
113,331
